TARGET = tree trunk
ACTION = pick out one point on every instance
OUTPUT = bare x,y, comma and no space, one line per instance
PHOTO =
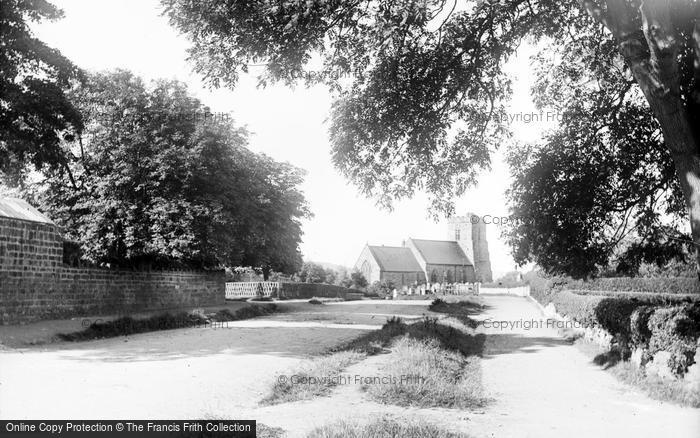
651,53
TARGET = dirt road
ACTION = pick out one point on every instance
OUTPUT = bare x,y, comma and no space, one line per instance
541,386
544,387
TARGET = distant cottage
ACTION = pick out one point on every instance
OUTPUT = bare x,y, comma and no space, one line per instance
464,258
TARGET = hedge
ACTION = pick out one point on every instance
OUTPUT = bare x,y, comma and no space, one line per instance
676,330
666,285
657,298
646,321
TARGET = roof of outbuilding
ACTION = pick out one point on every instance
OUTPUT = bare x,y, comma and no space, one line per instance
19,209
441,252
395,258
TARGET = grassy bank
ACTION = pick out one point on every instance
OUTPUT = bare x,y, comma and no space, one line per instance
673,391
442,356
166,321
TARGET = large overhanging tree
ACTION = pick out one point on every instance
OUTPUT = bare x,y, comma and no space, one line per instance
421,84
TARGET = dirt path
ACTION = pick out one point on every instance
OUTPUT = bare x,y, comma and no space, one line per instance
544,387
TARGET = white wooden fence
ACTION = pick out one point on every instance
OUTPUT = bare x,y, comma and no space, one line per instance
251,289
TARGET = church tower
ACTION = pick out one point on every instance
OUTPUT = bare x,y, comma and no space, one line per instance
470,232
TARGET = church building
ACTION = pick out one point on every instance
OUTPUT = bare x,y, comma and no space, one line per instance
462,258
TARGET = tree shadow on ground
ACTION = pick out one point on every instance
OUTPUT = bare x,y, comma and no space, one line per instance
497,344
193,343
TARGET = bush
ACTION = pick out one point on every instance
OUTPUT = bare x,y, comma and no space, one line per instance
676,330
315,301
438,303
381,288
614,315
639,326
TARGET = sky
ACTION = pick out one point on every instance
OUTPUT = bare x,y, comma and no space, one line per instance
288,124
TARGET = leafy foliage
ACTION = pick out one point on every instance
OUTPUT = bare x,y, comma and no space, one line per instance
155,181
422,94
35,112
601,188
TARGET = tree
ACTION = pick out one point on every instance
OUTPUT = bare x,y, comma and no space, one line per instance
600,192
358,280
421,85
311,272
156,180
35,112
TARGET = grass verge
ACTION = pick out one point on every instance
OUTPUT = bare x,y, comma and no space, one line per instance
383,428
427,375
166,321
315,378
673,391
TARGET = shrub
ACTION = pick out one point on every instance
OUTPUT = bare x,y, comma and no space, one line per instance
614,315
438,303
381,288
315,301
676,330
639,326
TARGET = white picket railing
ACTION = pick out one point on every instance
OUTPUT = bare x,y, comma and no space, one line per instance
447,289
251,289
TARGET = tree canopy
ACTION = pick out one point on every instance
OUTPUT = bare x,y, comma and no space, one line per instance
156,179
422,94
34,110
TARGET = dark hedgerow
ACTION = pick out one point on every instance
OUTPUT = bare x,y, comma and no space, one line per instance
166,321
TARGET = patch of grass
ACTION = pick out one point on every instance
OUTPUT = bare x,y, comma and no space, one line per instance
668,390
254,311
440,378
166,321
383,428
376,341
449,337
459,309
674,391
315,378
262,299
265,431
127,326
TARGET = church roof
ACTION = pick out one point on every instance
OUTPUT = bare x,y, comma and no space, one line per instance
18,209
395,258
441,252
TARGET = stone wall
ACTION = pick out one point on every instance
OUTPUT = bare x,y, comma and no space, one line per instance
320,290
404,278
34,283
450,274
